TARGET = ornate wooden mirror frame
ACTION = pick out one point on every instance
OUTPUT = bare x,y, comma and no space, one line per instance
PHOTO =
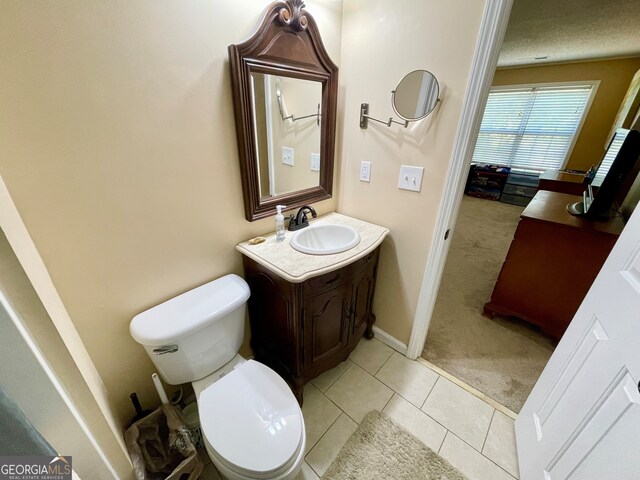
286,43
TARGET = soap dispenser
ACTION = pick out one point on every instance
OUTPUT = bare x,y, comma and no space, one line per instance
280,223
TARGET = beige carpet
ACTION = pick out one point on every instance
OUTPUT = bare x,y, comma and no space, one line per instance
502,357
381,450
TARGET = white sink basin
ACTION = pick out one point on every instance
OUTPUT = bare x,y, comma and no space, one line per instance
325,239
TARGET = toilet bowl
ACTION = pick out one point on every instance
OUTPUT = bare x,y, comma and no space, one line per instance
251,422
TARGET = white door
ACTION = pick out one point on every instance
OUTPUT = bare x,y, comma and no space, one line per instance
582,419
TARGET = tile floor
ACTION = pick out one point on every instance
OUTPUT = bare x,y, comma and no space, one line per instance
470,433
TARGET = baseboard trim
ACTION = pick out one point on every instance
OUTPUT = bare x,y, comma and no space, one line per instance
389,340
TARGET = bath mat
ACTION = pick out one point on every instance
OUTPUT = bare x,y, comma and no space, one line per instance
381,450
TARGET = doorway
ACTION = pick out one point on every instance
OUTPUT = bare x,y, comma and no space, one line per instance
501,357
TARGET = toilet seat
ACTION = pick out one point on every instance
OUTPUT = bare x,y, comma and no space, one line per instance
252,422
232,472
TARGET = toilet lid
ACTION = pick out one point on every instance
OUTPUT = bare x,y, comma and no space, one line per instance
251,419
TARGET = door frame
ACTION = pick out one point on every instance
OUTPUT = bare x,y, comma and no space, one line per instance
485,59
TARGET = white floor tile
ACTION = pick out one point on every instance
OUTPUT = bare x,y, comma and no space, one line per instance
328,378
326,450
415,421
407,377
469,461
357,393
371,354
319,414
457,410
307,473
500,445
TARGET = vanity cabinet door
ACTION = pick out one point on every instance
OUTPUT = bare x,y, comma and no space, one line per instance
274,315
326,327
303,329
362,294
364,285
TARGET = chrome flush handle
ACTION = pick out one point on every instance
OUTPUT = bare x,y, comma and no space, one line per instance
165,349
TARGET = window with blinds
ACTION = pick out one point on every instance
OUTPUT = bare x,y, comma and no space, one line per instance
531,128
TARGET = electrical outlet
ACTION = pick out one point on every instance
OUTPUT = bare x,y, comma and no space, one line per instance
365,171
287,156
410,178
315,162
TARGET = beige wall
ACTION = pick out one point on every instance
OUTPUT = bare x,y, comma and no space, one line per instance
381,42
614,76
120,154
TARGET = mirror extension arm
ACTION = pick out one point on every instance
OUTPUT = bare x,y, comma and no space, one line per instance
364,118
415,97
293,118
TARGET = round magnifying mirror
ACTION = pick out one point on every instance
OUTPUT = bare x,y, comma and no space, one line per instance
416,95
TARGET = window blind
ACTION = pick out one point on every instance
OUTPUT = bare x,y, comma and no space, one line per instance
530,128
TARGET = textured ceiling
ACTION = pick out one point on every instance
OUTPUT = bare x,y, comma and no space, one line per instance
566,30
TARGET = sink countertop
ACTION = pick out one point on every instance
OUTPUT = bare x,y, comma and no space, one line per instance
294,266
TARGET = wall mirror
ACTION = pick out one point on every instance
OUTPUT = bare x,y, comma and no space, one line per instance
284,88
415,97
287,114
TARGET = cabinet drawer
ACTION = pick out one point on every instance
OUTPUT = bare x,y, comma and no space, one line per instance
327,281
322,283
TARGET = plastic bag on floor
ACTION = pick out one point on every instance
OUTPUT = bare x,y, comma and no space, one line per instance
161,448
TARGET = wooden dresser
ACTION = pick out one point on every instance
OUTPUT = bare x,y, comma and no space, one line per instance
552,261
562,182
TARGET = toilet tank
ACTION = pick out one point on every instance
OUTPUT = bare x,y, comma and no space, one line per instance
194,334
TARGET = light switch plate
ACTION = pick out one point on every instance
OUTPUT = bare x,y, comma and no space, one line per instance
315,162
365,171
287,156
410,178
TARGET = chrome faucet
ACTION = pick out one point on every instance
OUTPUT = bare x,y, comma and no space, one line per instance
301,220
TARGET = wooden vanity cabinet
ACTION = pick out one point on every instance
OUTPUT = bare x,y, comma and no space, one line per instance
303,329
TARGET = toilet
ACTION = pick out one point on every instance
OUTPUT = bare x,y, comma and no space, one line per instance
250,420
